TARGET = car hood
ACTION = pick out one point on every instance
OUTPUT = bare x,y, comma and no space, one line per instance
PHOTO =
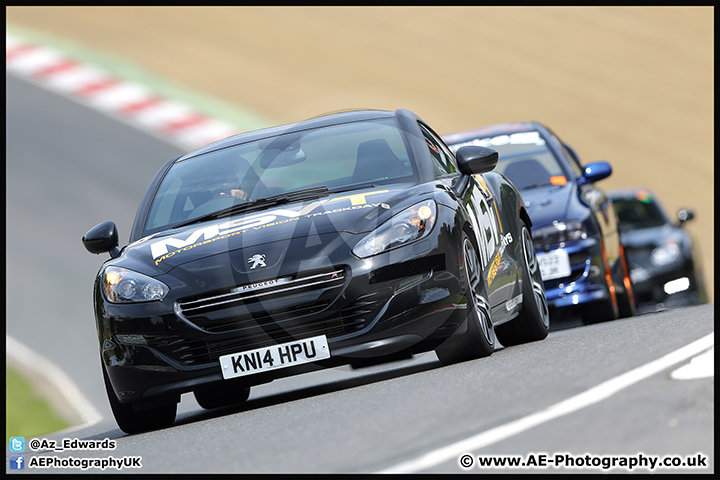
648,237
547,203
351,212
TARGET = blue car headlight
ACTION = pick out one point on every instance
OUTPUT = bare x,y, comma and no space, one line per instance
125,286
410,225
559,232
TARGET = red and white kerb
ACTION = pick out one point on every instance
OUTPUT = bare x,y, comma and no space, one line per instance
129,101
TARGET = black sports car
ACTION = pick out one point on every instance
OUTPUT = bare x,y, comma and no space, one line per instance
574,225
664,266
351,238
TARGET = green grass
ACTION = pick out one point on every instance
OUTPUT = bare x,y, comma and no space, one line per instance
27,413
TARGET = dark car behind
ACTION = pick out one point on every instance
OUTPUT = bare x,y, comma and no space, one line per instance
661,253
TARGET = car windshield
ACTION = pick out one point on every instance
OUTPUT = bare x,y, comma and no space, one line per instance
524,158
634,214
338,157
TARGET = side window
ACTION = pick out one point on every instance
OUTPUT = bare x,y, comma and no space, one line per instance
166,202
444,160
571,159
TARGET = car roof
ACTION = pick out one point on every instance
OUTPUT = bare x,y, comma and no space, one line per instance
333,118
629,192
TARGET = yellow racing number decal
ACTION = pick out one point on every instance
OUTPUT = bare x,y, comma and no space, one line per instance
493,269
505,240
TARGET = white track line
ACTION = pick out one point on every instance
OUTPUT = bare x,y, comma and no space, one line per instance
55,377
572,404
702,366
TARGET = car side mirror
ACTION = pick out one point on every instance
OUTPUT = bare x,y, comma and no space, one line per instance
592,172
102,238
473,160
685,214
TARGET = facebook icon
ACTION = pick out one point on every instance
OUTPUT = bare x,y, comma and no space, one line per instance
17,462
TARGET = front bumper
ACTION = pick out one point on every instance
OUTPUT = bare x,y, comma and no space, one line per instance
404,301
586,282
673,284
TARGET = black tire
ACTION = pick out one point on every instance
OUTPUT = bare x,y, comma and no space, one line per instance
603,310
626,299
221,395
131,421
533,322
479,338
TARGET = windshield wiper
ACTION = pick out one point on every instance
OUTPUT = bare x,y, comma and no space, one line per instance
353,187
260,203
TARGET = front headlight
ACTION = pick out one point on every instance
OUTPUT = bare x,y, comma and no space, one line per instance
559,232
407,226
666,254
125,286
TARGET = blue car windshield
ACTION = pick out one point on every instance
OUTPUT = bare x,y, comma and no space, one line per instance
338,157
524,158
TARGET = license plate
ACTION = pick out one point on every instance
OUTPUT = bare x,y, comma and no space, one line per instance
555,264
274,357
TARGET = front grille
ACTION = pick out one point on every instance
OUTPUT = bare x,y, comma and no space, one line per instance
277,301
269,328
639,256
578,262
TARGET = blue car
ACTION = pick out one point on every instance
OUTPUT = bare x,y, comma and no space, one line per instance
575,228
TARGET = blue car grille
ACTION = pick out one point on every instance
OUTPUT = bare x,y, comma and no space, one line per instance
578,264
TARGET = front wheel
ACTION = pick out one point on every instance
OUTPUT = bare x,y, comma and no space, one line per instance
131,421
479,338
533,321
